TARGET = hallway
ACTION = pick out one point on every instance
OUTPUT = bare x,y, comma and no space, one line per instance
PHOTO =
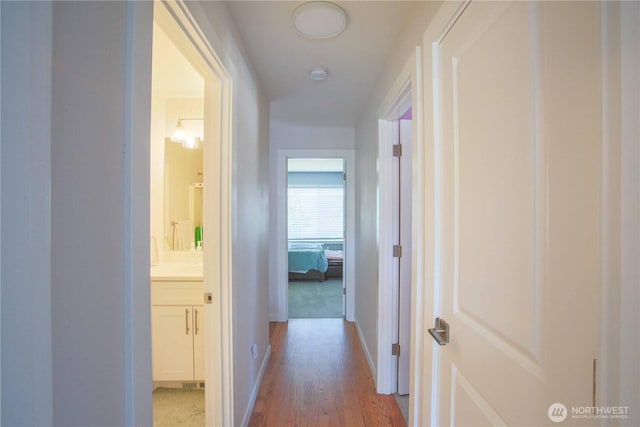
318,376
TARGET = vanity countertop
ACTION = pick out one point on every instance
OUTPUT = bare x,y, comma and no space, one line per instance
167,272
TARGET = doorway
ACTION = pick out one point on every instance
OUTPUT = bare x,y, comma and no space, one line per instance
279,287
400,298
402,182
207,316
315,237
177,142
395,217
396,245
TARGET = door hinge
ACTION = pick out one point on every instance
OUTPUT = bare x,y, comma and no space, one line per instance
395,349
397,251
397,150
344,177
344,291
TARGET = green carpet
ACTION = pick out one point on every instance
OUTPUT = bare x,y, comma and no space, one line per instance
309,299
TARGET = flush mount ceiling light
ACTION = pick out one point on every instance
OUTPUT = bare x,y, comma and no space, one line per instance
318,73
319,19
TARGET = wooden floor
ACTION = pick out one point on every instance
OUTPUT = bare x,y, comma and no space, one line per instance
318,376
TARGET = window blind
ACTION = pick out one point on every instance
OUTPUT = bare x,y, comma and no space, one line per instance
315,212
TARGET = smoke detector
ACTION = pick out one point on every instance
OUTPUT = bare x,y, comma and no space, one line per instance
318,73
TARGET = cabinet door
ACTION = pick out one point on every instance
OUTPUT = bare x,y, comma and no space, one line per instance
172,343
198,343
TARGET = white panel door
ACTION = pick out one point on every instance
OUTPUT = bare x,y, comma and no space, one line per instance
404,294
519,105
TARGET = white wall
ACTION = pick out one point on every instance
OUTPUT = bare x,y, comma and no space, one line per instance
296,137
366,144
26,252
87,212
286,136
66,359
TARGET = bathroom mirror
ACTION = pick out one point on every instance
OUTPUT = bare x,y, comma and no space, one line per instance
182,195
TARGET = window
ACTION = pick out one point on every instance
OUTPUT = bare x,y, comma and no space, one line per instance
316,212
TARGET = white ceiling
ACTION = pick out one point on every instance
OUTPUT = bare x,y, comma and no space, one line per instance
172,75
282,58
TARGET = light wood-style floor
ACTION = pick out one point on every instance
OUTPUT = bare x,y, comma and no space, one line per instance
318,376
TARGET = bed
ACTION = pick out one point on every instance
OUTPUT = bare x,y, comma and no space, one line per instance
314,261
307,261
335,260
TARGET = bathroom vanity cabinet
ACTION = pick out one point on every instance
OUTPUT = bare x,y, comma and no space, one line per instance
177,336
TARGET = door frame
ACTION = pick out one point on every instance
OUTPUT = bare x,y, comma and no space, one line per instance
629,345
388,128
181,26
618,374
405,92
281,289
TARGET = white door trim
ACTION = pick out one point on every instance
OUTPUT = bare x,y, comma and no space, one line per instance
407,91
181,27
280,287
387,292
629,346
429,268
619,346
48,248
137,304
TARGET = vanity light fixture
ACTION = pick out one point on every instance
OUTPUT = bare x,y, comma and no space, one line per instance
191,142
181,137
319,19
178,135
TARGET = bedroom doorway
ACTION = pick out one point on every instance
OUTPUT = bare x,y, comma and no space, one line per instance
315,237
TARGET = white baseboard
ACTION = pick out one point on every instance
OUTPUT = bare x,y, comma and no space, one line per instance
256,388
367,353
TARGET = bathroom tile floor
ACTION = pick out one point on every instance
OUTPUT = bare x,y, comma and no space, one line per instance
178,407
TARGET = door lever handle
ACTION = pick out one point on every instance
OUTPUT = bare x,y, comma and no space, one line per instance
441,331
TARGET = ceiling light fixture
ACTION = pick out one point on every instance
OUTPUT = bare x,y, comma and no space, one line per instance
319,19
